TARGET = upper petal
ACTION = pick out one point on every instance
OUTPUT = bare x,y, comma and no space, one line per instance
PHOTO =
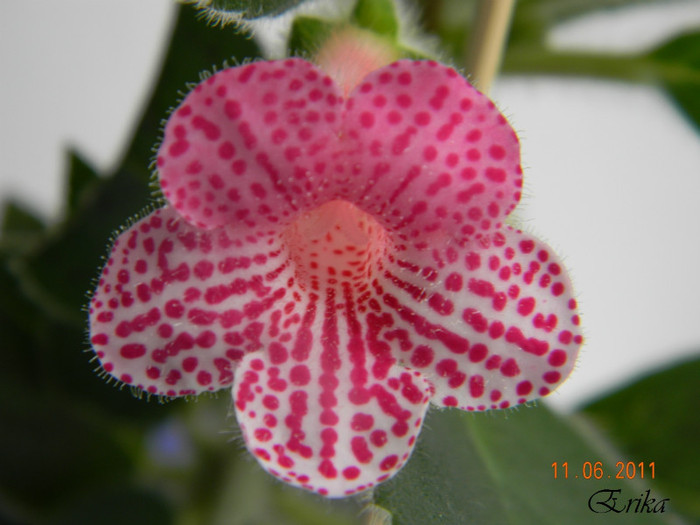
490,324
415,146
251,143
176,308
429,152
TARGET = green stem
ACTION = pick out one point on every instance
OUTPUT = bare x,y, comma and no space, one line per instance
628,68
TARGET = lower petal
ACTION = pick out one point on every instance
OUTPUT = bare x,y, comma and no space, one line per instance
330,413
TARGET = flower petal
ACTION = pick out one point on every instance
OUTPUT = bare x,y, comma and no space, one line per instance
415,146
176,308
430,153
491,324
330,412
246,144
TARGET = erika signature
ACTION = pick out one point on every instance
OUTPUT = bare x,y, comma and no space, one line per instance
611,500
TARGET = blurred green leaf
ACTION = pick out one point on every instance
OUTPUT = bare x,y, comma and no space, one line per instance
378,16
534,19
656,419
45,356
82,179
250,496
19,320
451,21
683,50
20,229
496,467
551,12
674,65
59,274
117,506
679,62
219,10
17,219
64,431
51,451
49,268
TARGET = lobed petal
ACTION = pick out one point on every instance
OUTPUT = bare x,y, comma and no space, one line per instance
177,308
415,146
430,153
251,143
330,411
490,324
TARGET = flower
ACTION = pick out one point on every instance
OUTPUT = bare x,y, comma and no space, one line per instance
341,263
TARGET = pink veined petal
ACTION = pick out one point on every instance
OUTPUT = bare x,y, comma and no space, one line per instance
430,153
176,308
252,143
415,146
490,325
330,412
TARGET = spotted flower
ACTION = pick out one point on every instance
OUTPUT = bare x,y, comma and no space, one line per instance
340,262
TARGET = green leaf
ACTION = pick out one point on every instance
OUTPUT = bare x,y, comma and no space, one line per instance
82,179
60,273
18,219
50,451
656,419
117,506
42,354
451,21
233,11
534,19
20,229
551,12
19,321
496,467
679,63
378,16
64,431
684,49
675,65
250,496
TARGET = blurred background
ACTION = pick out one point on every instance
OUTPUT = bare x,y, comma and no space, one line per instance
608,117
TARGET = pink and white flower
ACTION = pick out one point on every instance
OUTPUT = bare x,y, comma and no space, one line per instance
340,263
